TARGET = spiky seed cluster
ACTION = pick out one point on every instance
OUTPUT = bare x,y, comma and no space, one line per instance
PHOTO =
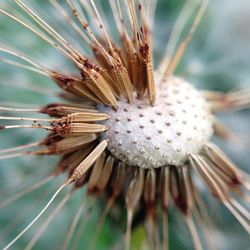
128,131
179,123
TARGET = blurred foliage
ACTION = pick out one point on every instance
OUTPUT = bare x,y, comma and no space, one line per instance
217,58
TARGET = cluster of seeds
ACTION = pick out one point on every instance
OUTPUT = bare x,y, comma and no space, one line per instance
128,131
179,123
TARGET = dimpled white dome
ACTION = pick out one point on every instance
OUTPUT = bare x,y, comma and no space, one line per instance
148,136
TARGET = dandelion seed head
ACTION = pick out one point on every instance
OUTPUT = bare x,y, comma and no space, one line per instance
147,145
127,130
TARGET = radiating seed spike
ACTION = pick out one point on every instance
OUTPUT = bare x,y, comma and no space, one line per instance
151,88
23,214
37,217
140,77
135,189
182,197
15,155
67,145
165,182
174,187
182,48
165,233
245,223
188,189
85,117
150,189
84,223
15,109
226,177
115,7
101,88
150,196
194,233
74,85
205,177
101,56
222,161
25,146
82,181
102,26
101,222
130,58
231,101
132,198
73,225
152,232
13,118
224,133
49,30
82,19
44,226
220,188
59,110
106,174
38,126
22,56
224,187
106,75
71,161
134,23
121,77
117,179
86,128
118,72
203,219
41,35
88,161
24,66
128,229
175,34
72,128
68,19
241,209
95,173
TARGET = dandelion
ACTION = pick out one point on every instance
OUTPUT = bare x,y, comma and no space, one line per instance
126,131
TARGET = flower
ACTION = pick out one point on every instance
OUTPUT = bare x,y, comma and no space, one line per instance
127,130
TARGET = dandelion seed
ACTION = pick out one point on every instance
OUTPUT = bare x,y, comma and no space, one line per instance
127,131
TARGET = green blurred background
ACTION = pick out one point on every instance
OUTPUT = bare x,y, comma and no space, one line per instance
218,58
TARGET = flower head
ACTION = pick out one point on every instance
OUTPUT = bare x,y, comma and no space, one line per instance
125,129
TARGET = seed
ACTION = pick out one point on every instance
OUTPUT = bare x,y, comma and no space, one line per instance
122,120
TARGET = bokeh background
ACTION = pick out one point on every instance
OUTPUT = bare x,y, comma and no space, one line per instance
218,58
